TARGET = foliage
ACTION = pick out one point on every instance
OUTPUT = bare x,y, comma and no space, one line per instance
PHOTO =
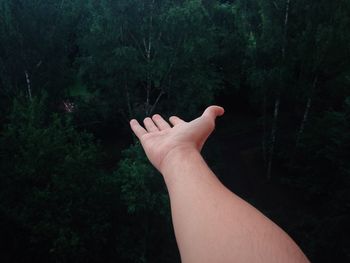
147,223
322,155
52,195
285,62
142,55
37,40
142,187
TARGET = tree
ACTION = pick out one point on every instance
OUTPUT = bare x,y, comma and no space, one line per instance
266,26
52,194
321,155
37,47
143,54
146,222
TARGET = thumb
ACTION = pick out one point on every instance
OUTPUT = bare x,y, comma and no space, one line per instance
208,126
213,112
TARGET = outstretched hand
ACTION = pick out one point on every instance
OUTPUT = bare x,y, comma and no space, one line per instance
160,140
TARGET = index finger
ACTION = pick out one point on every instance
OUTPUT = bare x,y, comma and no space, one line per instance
137,128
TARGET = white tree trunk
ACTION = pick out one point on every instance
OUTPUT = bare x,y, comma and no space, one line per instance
264,124
148,50
304,121
277,102
273,136
286,18
29,88
306,112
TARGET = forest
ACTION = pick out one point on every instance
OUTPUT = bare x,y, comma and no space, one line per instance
75,185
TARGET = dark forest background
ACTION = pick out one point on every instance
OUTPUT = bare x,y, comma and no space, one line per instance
74,184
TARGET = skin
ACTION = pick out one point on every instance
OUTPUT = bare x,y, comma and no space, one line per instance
211,223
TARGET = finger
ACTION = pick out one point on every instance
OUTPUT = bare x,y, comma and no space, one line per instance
213,112
149,124
137,128
160,122
175,120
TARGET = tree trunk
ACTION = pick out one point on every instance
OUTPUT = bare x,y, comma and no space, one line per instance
286,18
128,100
161,93
273,136
306,112
29,88
304,121
148,48
264,124
278,99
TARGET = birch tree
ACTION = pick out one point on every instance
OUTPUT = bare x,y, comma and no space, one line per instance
151,52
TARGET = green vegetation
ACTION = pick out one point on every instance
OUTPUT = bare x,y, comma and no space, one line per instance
74,187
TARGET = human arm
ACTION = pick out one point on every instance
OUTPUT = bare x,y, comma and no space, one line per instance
211,223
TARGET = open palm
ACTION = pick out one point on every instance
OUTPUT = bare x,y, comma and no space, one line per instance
159,138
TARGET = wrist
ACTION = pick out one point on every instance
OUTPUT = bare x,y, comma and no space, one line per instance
180,165
176,157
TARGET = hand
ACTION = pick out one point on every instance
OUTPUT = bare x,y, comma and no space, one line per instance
160,140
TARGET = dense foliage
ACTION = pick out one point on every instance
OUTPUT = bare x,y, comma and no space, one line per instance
73,72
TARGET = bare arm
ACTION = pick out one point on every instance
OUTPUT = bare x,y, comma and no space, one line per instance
211,223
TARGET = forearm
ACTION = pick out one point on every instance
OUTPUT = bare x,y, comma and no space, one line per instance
214,225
